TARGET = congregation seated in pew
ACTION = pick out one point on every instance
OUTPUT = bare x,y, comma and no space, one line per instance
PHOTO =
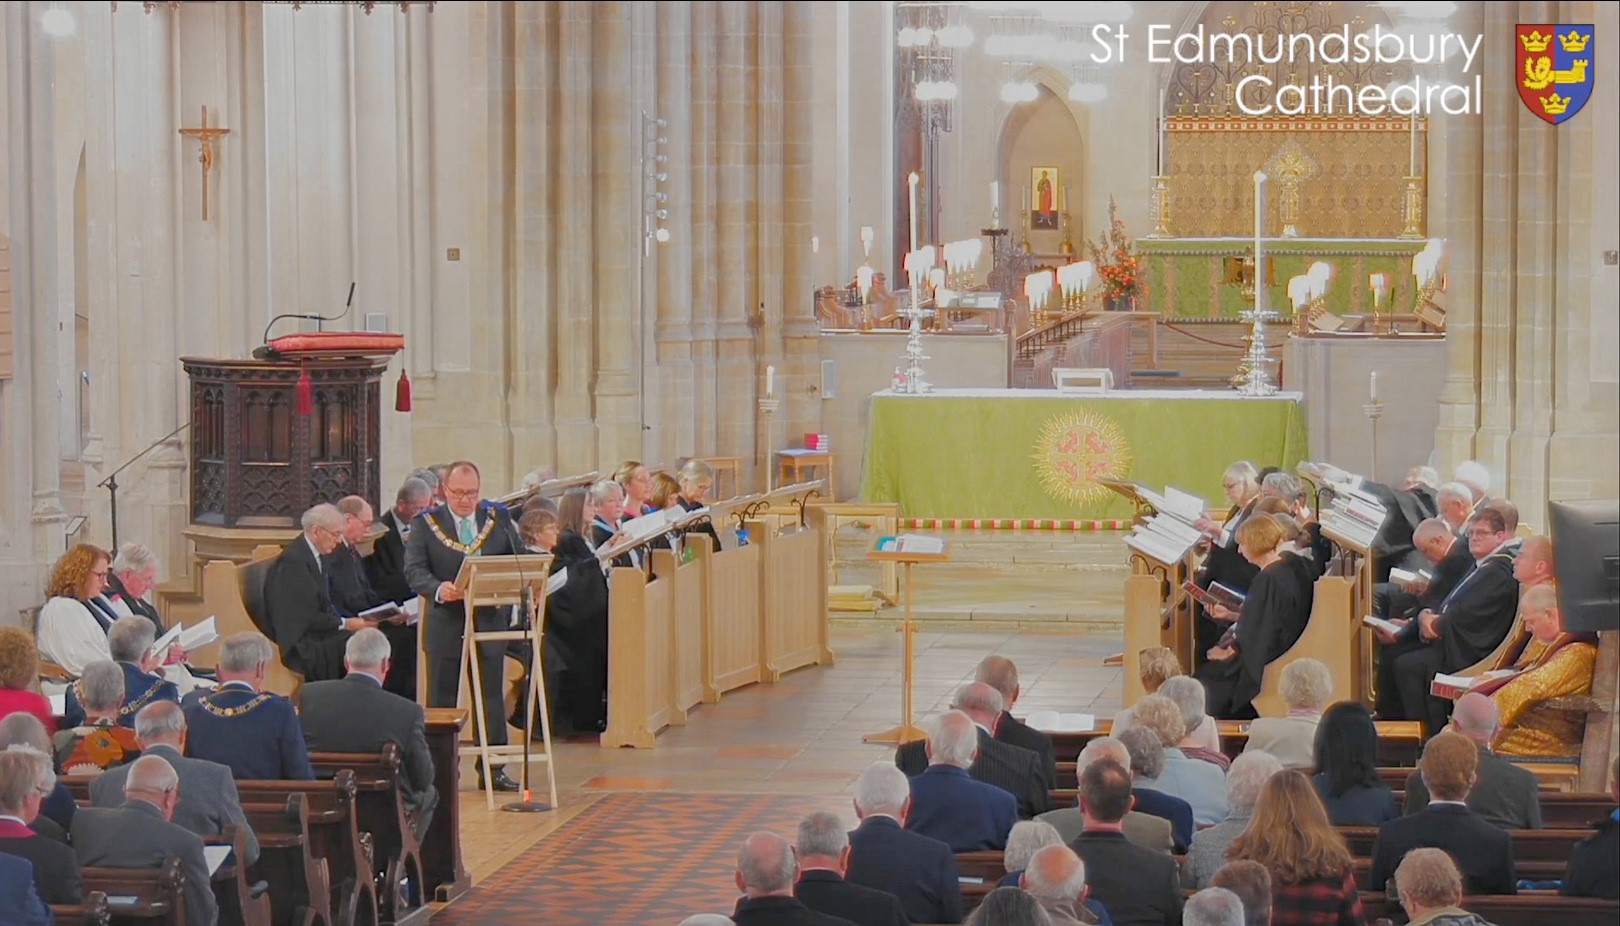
1001,673
1143,829
205,800
1027,838
137,831
1483,852
303,617
256,734
132,577
19,676
56,812
822,850
1504,794
1430,890
1012,768
947,804
920,872
1244,781
25,777
1594,864
20,903
1307,688
1157,665
1313,877
1346,776
1137,886
1201,784
129,640
353,593
1250,883
99,742
1147,762
1056,878
358,714
766,871
1187,694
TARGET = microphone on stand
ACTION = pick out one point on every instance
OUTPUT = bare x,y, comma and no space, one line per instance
526,602
265,352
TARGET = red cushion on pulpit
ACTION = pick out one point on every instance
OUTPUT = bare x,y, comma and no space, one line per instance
337,343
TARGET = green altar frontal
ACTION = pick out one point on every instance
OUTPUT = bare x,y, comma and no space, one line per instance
1184,274
1037,453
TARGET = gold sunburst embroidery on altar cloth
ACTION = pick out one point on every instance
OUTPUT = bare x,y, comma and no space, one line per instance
1075,449
238,710
465,549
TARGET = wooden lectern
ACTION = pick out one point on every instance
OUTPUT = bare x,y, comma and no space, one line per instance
1355,567
495,581
1157,613
906,731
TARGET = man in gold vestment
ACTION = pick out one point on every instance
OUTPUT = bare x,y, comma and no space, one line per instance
1552,664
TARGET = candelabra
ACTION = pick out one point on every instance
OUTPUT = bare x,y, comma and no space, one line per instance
914,383
1412,213
1161,208
998,278
1254,376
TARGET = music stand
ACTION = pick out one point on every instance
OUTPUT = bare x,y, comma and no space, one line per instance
906,731
494,581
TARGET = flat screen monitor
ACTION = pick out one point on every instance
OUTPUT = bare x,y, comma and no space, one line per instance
1586,559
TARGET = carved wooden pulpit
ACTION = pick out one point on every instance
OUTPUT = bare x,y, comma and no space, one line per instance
271,437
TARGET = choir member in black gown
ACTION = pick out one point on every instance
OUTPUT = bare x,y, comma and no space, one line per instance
1273,616
1224,564
576,639
696,479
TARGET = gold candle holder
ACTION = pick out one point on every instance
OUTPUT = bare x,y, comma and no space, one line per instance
1412,213
1161,208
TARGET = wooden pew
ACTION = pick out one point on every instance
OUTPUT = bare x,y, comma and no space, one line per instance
445,874
93,912
237,902
1528,845
151,895
1533,909
300,885
334,836
397,858
1399,741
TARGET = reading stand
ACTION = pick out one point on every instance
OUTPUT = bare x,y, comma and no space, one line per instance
1355,567
906,731
492,581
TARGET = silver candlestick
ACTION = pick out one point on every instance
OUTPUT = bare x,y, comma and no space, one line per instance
1374,411
1255,370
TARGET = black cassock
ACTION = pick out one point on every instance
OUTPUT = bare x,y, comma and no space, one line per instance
1224,564
576,637
1273,617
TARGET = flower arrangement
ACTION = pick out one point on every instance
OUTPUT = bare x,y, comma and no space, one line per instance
1116,261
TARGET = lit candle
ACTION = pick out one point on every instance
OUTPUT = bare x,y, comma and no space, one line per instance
995,198
1414,172
1163,128
770,382
1259,236
916,271
1373,386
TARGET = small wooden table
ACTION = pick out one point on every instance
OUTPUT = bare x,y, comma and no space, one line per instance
792,465
442,868
728,466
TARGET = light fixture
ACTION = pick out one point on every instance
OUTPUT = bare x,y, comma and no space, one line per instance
56,21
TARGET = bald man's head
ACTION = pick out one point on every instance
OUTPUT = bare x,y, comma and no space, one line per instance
999,673
153,779
1475,717
1534,564
1508,511
765,866
1055,875
981,702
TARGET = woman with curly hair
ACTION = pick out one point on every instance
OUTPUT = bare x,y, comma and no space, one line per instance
1313,881
73,624
19,677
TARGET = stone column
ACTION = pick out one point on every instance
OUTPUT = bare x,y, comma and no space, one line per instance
576,276
705,295
616,220
673,420
31,105
800,332
735,158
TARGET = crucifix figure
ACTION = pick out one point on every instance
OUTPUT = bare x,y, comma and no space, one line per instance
206,135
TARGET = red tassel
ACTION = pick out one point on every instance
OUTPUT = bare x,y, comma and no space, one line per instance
306,392
402,393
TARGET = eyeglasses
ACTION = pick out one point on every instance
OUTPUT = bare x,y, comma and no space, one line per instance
461,493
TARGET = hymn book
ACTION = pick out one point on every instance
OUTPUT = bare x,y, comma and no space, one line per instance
1055,722
911,543
1378,623
195,637
390,613
1215,594
1401,575
1453,687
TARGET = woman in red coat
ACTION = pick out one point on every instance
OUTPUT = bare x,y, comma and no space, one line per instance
19,677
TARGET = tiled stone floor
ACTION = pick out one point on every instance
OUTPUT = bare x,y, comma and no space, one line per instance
802,735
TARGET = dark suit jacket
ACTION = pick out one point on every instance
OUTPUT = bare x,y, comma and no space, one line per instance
1011,768
1167,807
385,567
781,911
56,868
1504,794
920,872
1479,614
135,835
967,815
1594,865
208,797
307,626
351,587
20,903
827,892
1483,853
257,735
1015,732
356,715
1138,886
429,562
140,689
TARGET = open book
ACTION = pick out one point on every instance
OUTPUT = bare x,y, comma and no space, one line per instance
1455,686
215,856
1379,623
1216,594
190,638
1055,722
911,543
1401,575
391,613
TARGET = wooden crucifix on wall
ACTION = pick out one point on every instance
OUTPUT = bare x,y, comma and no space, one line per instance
206,135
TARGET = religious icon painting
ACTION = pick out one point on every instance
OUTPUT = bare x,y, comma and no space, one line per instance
1554,67
1045,198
